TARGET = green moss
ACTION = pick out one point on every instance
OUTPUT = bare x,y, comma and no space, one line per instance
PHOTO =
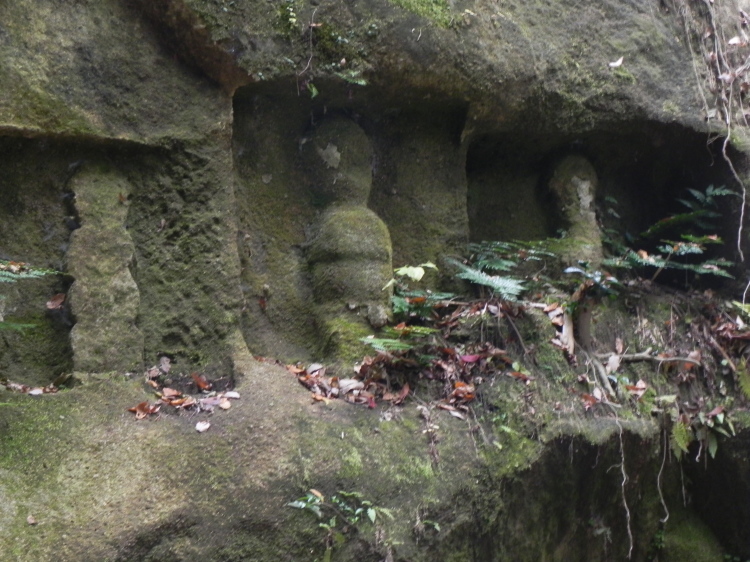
670,108
332,45
739,139
343,338
38,109
435,10
686,537
624,74
351,464
39,354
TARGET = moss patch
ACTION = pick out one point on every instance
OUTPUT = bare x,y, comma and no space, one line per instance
434,10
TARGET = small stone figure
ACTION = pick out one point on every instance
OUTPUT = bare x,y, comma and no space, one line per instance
574,182
350,251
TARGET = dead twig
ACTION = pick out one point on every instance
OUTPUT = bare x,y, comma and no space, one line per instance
518,334
601,372
647,356
717,347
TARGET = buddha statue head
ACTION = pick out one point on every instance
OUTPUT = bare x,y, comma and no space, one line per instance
338,158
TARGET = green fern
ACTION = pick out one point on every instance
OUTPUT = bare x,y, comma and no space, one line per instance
680,439
388,344
409,331
11,272
691,228
504,256
633,259
743,378
694,217
508,288
701,208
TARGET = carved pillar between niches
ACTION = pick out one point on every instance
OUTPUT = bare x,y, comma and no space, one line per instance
104,298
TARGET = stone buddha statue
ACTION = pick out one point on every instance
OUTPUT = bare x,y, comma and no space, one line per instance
349,254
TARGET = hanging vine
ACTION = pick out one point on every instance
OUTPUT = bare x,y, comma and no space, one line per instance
723,81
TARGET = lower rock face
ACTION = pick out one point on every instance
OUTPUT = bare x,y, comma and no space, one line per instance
121,489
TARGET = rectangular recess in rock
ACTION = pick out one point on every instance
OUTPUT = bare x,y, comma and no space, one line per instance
35,223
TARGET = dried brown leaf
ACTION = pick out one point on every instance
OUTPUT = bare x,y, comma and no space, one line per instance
56,302
201,382
402,394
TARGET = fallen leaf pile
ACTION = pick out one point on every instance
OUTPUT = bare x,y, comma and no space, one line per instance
51,388
14,266
456,370
206,402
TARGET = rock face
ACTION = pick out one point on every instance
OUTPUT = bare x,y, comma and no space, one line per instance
245,175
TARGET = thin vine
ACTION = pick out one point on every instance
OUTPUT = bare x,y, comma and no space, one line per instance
725,71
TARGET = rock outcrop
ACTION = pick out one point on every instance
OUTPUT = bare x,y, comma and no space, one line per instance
175,134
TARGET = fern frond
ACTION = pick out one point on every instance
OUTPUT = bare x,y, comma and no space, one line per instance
388,344
680,248
10,272
508,288
680,439
701,197
409,331
670,222
495,264
712,191
743,378
633,259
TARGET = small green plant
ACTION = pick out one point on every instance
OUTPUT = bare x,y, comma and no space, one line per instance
342,512
400,338
288,17
703,428
413,272
680,438
489,258
12,272
743,377
408,302
352,76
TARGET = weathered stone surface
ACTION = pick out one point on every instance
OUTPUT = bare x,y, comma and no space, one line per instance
199,109
97,70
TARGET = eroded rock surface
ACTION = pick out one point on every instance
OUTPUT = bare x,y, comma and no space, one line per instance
183,128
